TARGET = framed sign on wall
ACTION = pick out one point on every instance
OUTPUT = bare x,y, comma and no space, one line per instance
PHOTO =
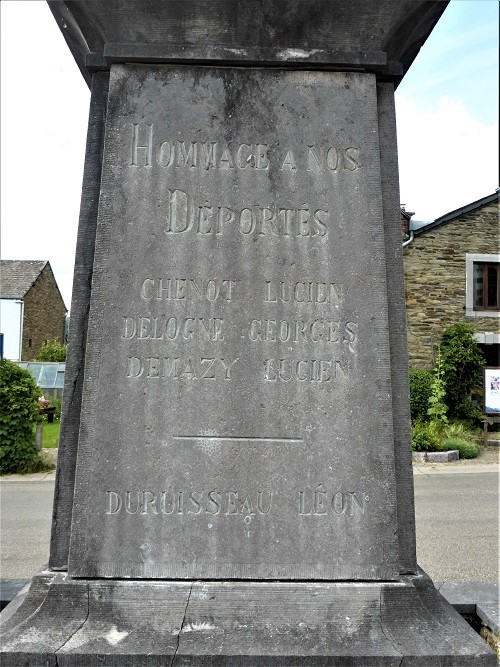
492,390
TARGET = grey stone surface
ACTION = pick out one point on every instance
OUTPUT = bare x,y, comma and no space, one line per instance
397,326
9,588
489,614
436,457
75,365
466,595
238,623
238,316
443,457
384,36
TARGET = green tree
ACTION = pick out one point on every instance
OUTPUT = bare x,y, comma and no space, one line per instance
463,364
18,412
52,350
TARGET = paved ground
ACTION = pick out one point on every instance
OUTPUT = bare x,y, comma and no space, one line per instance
25,525
456,510
457,525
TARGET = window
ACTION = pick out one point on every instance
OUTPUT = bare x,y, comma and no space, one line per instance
482,289
486,286
47,374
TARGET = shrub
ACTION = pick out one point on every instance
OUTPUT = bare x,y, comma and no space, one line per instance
461,430
18,413
462,362
424,438
52,350
420,391
467,448
55,402
437,408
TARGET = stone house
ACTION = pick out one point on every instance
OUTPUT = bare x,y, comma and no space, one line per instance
32,308
452,274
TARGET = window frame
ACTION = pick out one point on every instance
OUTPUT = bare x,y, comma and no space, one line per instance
470,309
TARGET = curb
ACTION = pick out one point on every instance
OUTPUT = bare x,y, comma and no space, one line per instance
32,477
451,468
436,457
419,468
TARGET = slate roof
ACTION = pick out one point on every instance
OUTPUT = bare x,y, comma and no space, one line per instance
452,215
17,276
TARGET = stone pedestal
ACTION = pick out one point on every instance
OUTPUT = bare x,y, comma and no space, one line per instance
113,623
234,484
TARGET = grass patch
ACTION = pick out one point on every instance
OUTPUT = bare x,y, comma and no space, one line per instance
467,449
51,434
40,464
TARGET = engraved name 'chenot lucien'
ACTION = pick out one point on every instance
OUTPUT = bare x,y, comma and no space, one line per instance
148,151
188,289
309,502
225,289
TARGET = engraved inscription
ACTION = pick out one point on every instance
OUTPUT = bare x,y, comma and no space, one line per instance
318,502
180,368
302,292
187,289
149,327
332,158
214,502
185,215
304,370
299,331
172,328
147,150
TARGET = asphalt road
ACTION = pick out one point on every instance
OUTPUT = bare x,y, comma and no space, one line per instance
25,527
457,526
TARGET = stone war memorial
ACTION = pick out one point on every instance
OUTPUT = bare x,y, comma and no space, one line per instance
234,483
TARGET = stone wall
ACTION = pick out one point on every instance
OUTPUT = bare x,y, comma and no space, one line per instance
434,265
44,314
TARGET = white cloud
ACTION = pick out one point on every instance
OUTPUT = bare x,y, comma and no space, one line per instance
447,158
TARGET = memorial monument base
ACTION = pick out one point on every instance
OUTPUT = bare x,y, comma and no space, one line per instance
68,622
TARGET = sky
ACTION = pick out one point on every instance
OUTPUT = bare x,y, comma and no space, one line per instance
447,116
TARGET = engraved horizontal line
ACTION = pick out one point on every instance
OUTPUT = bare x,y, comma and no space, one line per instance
206,438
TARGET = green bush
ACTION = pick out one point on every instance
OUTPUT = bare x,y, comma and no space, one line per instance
437,436
424,438
52,350
18,413
462,363
420,391
437,407
466,448
55,402
461,430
